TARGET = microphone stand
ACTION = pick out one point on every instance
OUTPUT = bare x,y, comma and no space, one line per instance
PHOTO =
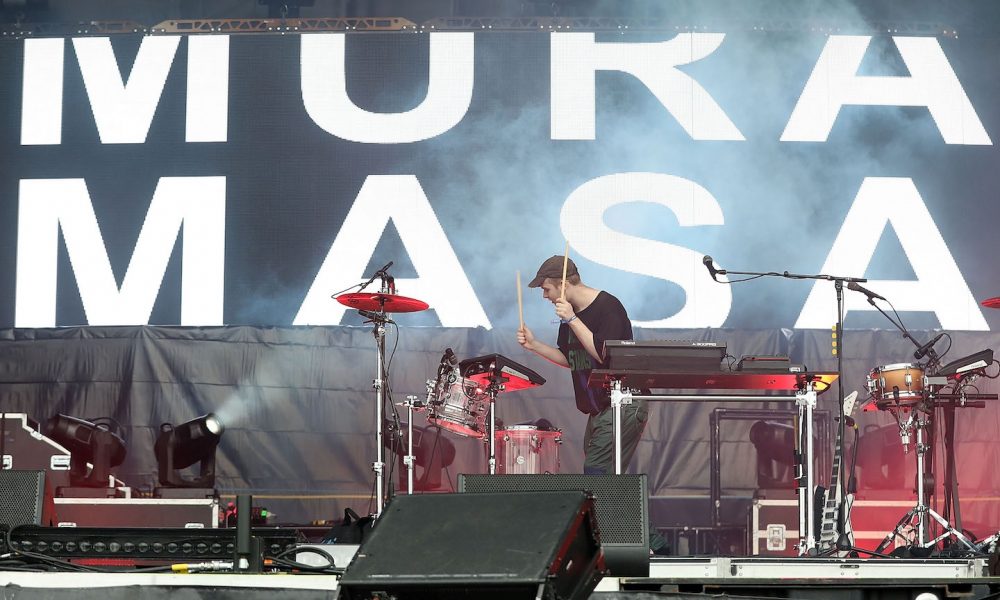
838,283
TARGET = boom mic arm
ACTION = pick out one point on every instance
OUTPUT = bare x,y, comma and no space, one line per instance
923,350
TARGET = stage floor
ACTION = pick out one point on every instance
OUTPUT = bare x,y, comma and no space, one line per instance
914,579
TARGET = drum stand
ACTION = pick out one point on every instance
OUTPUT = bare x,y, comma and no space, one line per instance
493,390
922,511
412,404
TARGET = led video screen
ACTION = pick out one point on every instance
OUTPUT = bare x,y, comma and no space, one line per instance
245,179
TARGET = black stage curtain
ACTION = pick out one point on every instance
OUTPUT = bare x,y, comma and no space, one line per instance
299,407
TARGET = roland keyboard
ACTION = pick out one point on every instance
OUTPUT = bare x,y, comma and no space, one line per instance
664,355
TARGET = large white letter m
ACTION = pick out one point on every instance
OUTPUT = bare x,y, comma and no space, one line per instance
46,205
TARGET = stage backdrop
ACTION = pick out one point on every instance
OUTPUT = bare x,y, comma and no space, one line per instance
232,184
300,412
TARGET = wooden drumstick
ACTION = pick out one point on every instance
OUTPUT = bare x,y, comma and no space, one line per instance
562,292
520,304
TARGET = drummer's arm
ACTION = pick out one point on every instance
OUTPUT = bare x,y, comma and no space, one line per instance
549,353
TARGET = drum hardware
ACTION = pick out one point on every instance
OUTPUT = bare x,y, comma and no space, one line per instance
495,374
917,517
896,386
915,415
923,404
528,450
374,307
460,407
456,403
424,447
412,404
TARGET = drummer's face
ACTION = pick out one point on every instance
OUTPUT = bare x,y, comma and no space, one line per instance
550,290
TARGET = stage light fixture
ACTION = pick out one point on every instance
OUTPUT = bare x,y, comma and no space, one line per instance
179,447
87,442
775,443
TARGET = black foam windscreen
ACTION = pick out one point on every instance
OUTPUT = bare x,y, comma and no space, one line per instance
622,510
23,499
503,546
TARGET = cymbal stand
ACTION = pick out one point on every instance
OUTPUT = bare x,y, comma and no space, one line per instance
922,511
378,319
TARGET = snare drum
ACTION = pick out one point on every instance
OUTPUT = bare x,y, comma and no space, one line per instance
905,378
461,408
527,450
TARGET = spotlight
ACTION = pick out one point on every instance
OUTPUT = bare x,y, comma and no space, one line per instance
775,443
181,446
87,442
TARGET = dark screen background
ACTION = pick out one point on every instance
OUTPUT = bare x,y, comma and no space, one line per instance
497,182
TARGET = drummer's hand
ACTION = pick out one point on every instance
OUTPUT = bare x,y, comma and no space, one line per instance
564,310
525,338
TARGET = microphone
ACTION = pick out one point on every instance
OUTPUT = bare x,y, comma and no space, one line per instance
450,358
853,285
380,273
448,363
923,350
707,261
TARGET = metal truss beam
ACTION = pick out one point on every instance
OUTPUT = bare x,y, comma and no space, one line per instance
526,24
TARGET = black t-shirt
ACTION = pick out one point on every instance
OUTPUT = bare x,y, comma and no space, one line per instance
607,319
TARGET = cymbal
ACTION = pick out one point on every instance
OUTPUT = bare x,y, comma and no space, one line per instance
992,302
386,302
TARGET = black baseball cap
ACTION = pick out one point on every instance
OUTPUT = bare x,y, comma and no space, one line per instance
552,268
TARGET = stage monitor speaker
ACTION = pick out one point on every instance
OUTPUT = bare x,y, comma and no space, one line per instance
622,510
483,546
25,499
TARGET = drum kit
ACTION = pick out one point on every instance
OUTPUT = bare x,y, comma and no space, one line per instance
912,393
461,399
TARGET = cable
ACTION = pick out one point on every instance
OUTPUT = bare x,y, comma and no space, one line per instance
997,374
396,441
948,349
291,564
732,281
330,567
309,550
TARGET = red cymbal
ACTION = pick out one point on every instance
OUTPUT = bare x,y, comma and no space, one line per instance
992,302
386,302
